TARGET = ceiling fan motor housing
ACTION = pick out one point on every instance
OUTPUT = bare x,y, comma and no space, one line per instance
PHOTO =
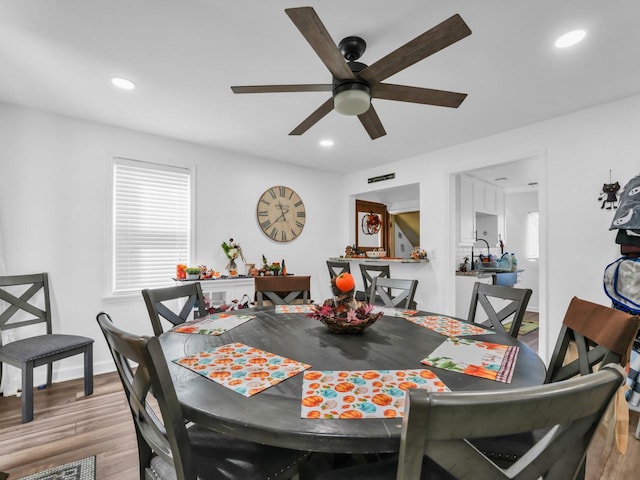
352,96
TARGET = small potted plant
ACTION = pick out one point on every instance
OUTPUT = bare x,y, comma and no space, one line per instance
193,273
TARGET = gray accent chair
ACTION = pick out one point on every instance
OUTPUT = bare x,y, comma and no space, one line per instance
31,307
337,267
518,299
437,429
190,293
368,273
394,292
168,447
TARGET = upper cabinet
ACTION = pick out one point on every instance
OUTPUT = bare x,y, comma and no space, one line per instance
476,197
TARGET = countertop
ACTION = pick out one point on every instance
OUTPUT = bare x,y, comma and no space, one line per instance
379,260
484,274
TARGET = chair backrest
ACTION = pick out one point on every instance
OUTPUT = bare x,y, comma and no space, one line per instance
513,310
601,335
440,425
369,271
394,292
337,267
192,295
282,290
27,302
145,377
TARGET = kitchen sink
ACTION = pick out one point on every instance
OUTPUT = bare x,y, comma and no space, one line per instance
493,270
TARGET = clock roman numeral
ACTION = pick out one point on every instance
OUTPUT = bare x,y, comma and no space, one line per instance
297,204
263,213
274,233
299,225
294,234
264,201
283,191
291,194
283,236
300,214
265,224
272,192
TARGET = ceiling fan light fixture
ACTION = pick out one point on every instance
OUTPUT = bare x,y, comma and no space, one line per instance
352,98
571,38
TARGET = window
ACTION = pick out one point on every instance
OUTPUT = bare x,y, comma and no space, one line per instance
532,236
151,224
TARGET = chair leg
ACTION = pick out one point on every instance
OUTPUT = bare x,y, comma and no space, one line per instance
49,374
27,393
88,370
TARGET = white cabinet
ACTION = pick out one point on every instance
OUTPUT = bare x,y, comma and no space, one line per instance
466,211
475,196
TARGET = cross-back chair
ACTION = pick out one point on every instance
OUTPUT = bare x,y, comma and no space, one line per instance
514,310
394,292
437,429
156,299
368,272
337,267
282,290
601,336
168,448
31,305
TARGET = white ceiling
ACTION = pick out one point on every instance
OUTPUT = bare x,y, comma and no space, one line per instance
58,55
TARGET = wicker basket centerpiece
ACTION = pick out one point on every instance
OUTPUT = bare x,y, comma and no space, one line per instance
343,313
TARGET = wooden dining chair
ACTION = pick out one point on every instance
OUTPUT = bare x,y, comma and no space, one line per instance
170,448
26,302
156,301
337,267
282,290
601,335
394,292
368,272
437,429
512,306
592,335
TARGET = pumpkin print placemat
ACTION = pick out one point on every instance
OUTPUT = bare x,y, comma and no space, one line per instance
363,393
215,324
450,327
294,308
472,357
243,369
394,312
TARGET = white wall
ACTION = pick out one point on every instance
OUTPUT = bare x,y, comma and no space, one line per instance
54,196
517,206
575,153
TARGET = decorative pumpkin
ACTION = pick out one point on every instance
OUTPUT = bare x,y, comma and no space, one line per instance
345,282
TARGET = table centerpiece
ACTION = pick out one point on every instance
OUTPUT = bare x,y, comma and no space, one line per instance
343,313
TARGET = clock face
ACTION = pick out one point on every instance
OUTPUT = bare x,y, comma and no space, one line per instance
281,214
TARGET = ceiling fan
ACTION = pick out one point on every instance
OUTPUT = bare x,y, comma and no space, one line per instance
354,83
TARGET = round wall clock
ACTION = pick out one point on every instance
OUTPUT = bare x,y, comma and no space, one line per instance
281,214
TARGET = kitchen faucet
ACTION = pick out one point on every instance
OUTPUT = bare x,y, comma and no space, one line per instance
479,240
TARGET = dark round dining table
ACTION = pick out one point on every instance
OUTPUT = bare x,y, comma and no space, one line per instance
273,416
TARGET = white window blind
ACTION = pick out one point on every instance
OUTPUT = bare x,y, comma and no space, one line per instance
151,224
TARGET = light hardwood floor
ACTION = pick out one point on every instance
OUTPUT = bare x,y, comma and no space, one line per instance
68,426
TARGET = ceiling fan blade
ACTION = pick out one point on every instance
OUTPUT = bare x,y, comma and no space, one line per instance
311,27
310,87
427,96
314,118
430,42
372,124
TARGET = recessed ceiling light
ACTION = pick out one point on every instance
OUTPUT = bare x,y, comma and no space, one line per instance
123,83
326,143
571,38
501,179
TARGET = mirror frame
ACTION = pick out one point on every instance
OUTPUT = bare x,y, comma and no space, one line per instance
363,206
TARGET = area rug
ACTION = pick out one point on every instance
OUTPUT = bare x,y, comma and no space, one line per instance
84,469
525,327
